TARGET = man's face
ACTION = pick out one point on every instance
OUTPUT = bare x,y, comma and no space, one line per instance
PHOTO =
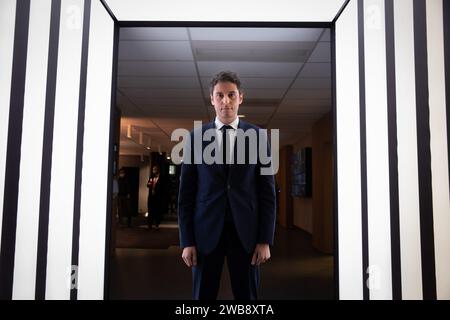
226,100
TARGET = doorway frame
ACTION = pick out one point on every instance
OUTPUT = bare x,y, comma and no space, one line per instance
112,165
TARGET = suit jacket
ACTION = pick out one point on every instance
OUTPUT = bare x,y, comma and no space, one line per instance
204,191
158,199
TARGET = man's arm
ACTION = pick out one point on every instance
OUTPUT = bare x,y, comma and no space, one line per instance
266,203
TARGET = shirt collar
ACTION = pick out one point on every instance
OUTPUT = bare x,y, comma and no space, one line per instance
233,124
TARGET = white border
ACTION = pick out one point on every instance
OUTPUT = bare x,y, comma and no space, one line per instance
348,155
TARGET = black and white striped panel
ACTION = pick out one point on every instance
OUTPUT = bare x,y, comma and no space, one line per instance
56,144
7,21
392,150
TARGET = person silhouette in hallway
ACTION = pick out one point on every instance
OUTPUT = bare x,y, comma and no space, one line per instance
156,198
225,210
123,198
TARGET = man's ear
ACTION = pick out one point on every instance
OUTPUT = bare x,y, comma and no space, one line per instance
212,100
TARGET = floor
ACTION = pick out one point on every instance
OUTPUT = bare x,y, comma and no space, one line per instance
152,268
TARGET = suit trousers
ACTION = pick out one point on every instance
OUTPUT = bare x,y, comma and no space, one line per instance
243,275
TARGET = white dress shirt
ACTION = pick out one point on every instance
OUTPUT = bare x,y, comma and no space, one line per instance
231,135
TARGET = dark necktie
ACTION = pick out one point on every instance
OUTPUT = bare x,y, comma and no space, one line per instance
225,141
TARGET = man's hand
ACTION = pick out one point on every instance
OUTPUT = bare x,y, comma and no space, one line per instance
261,254
190,256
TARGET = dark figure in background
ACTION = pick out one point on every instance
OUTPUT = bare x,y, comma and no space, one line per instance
156,198
225,210
123,198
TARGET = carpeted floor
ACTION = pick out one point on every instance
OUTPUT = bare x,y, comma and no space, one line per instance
295,271
143,238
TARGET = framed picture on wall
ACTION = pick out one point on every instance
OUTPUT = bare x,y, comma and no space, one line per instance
301,168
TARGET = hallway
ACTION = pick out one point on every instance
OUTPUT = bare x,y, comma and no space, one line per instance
295,271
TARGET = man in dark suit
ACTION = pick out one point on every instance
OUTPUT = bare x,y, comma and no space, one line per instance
226,210
156,203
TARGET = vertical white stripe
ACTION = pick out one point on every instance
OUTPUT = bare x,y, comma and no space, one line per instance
64,149
95,155
408,181
438,145
348,155
31,151
7,21
378,205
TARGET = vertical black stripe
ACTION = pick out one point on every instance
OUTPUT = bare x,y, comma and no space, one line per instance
446,17
80,139
112,131
393,159
12,170
47,149
423,151
362,111
335,175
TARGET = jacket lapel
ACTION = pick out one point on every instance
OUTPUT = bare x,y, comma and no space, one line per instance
216,167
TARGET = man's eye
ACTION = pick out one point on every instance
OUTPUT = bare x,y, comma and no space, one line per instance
231,95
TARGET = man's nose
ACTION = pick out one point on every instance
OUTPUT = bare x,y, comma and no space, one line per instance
226,99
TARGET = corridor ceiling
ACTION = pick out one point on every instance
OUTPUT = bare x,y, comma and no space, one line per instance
164,74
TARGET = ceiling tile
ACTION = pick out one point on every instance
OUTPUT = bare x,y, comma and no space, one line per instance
159,82
154,34
312,83
155,50
303,102
172,102
304,109
308,94
255,34
156,69
326,35
316,70
250,69
254,51
162,93
322,53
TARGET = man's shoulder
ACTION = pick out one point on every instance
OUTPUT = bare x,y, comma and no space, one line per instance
247,125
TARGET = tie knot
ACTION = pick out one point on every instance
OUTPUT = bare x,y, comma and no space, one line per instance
226,127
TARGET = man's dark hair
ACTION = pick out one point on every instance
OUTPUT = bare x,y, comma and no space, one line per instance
225,76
